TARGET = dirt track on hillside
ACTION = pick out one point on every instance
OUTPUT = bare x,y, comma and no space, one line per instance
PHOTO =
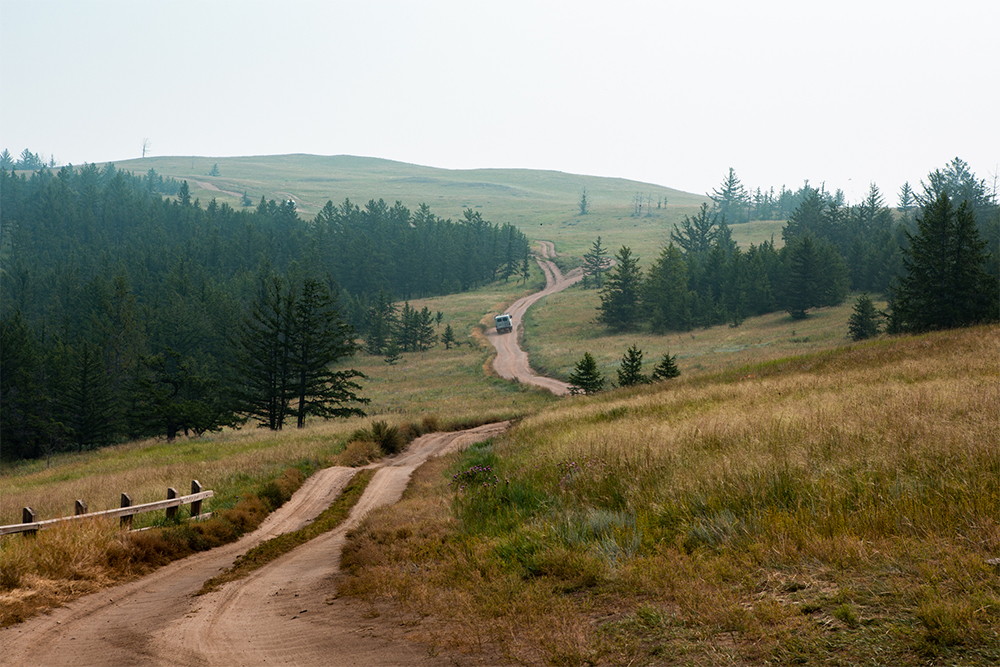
284,613
511,361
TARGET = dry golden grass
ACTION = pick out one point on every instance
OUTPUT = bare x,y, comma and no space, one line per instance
222,462
837,507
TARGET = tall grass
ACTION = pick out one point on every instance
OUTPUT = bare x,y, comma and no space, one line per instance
56,565
756,511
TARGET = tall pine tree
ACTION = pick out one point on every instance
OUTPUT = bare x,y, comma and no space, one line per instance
944,283
621,293
319,340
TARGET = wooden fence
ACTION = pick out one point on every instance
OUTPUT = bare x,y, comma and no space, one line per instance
127,511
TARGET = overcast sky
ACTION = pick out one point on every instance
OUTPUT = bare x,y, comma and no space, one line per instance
665,92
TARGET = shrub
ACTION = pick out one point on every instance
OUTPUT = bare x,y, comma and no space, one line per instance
278,491
430,423
359,453
387,437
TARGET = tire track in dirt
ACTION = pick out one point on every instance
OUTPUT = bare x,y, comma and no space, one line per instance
284,613
511,361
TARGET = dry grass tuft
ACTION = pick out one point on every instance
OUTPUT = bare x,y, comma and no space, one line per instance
358,453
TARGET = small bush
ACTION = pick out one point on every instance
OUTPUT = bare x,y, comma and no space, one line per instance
408,432
247,515
358,453
387,437
430,424
278,491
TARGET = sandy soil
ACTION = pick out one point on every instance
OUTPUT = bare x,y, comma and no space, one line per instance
511,361
284,613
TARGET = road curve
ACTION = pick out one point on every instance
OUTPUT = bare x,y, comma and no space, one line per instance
284,613
511,361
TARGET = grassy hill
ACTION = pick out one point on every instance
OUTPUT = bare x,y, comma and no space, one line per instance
835,508
543,204
793,498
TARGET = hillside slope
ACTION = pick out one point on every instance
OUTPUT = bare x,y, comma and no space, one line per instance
833,508
311,180
543,204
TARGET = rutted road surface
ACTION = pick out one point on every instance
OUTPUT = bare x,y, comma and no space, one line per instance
511,361
284,613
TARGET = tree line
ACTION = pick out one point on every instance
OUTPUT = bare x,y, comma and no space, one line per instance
946,253
127,314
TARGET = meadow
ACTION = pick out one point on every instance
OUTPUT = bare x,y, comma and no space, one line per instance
792,498
561,328
839,507
542,204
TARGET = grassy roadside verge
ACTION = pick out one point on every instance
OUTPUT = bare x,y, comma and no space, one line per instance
835,508
62,563
276,547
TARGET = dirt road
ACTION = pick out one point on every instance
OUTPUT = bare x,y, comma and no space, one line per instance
511,361
284,613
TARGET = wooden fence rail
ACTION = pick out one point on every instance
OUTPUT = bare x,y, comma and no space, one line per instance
127,511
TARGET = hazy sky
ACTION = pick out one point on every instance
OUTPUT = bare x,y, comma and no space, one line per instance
672,93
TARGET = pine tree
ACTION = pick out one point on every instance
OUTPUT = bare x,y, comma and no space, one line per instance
525,268
319,340
864,321
731,199
803,281
380,321
696,234
630,370
620,294
426,338
666,298
944,284
173,395
284,352
666,369
86,400
586,378
815,276
584,203
261,356
595,263
448,337
392,353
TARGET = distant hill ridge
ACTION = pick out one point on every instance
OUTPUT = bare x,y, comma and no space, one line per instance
312,180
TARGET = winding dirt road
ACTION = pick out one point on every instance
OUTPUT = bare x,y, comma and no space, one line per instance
284,613
511,361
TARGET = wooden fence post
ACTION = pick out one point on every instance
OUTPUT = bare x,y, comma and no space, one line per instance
171,494
28,516
81,507
126,521
196,505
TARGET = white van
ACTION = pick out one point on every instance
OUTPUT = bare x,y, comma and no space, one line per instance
504,323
